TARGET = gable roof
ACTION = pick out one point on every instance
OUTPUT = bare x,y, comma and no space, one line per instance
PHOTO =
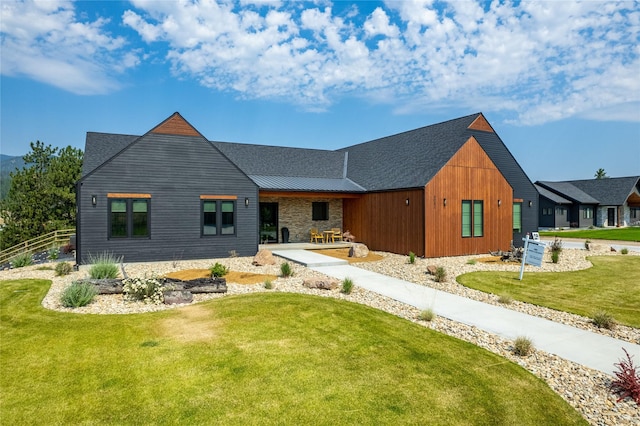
551,195
569,191
609,191
409,159
99,147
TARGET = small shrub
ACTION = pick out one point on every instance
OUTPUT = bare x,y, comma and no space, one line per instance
471,262
427,315
412,257
104,266
347,286
627,379
440,274
78,294
624,250
218,270
268,284
63,268
505,299
586,244
556,249
285,270
147,290
555,256
522,346
53,253
21,260
603,319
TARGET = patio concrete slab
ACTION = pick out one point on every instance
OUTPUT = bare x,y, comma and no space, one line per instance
581,346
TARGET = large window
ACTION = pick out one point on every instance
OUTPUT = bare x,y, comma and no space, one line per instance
218,217
472,218
517,217
129,218
320,210
587,213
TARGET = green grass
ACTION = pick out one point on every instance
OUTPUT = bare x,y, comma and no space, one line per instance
611,285
269,358
620,234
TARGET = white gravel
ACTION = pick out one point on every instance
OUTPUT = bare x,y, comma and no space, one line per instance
585,389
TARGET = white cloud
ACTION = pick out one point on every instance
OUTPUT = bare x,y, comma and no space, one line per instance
45,41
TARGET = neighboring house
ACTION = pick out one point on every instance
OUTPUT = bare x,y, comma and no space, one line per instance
591,202
448,189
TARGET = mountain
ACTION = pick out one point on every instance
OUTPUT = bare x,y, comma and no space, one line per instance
8,164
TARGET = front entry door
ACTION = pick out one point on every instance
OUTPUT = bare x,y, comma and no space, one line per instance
611,217
268,223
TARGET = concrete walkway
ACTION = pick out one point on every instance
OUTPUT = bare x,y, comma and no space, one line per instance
583,347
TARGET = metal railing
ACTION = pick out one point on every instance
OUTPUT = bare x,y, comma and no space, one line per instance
41,243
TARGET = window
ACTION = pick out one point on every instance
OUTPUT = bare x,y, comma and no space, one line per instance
128,218
547,211
587,213
561,211
320,210
635,213
517,217
472,218
218,216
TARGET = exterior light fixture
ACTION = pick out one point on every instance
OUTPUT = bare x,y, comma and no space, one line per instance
499,203
530,203
444,202
406,201
246,202
94,200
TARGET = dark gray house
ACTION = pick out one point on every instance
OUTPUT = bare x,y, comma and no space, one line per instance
452,188
590,202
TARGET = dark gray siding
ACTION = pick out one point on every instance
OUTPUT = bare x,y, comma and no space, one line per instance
175,170
513,173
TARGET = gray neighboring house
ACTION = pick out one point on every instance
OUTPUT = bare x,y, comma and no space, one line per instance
604,202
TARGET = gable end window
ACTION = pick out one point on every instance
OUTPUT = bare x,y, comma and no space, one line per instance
319,210
217,216
472,218
129,217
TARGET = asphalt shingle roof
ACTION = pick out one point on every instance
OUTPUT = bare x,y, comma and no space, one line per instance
570,191
99,147
609,191
551,195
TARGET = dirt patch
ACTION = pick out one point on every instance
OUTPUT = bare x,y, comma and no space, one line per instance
232,277
192,323
343,253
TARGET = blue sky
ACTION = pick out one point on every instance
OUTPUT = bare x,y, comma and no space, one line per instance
558,80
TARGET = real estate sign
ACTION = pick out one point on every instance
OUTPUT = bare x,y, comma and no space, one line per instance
533,253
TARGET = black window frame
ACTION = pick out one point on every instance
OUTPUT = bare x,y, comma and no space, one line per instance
319,210
129,218
219,216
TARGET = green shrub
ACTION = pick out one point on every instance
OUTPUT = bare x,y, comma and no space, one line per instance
104,266
505,299
21,260
268,284
347,286
63,268
603,319
427,315
412,257
624,251
440,274
148,290
522,346
218,270
78,294
53,253
555,256
285,270
471,262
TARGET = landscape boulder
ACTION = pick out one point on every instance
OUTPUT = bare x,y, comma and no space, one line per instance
264,257
321,283
174,297
358,250
431,269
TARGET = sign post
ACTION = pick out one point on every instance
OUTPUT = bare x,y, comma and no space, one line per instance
533,253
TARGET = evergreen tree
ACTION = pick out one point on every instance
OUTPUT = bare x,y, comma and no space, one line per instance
600,174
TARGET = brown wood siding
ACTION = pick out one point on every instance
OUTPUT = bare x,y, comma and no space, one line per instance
481,124
383,221
176,125
469,175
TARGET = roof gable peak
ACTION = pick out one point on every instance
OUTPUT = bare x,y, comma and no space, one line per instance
176,125
481,123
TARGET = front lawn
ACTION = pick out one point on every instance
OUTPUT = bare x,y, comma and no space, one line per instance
611,285
268,358
619,234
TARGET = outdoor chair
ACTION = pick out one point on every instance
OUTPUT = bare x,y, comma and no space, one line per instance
315,236
337,234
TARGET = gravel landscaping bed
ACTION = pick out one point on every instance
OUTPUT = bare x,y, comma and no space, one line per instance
585,389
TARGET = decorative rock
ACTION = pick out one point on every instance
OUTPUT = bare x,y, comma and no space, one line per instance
431,269
321,283
173,297
613,249
358,250
105,285
264,257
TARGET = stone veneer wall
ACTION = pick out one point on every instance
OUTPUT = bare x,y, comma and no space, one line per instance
295,214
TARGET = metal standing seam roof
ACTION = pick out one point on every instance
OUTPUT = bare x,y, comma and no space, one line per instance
551,195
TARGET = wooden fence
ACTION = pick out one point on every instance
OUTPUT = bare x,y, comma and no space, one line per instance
41,243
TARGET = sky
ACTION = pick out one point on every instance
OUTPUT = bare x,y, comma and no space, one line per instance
559,81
